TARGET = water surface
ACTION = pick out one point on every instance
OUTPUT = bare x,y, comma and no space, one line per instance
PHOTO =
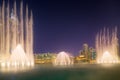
76,72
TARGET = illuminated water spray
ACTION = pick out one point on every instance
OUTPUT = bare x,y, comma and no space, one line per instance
16,36
63,59
107,46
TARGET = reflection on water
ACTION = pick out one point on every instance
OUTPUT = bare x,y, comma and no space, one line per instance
15,69
76,72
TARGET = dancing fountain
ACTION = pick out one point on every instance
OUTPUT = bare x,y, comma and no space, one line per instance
63,59
107,46
16,36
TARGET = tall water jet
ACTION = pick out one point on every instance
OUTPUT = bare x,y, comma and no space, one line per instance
8,31
27,32
15,36
21,24
63,59
31,35
107,46
3,30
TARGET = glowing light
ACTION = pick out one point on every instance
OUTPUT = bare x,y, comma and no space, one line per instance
107,46
16,38
107,58
22,63
28,63
18,58
63,59
3,64
8,64
32,63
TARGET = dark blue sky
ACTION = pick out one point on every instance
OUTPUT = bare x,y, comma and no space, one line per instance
67,25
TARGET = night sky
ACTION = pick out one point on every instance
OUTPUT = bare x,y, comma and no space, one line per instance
67,25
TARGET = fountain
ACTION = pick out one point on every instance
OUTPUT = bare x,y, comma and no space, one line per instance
107,46
16,36
63,59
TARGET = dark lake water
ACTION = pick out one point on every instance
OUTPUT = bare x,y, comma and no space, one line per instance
75,72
